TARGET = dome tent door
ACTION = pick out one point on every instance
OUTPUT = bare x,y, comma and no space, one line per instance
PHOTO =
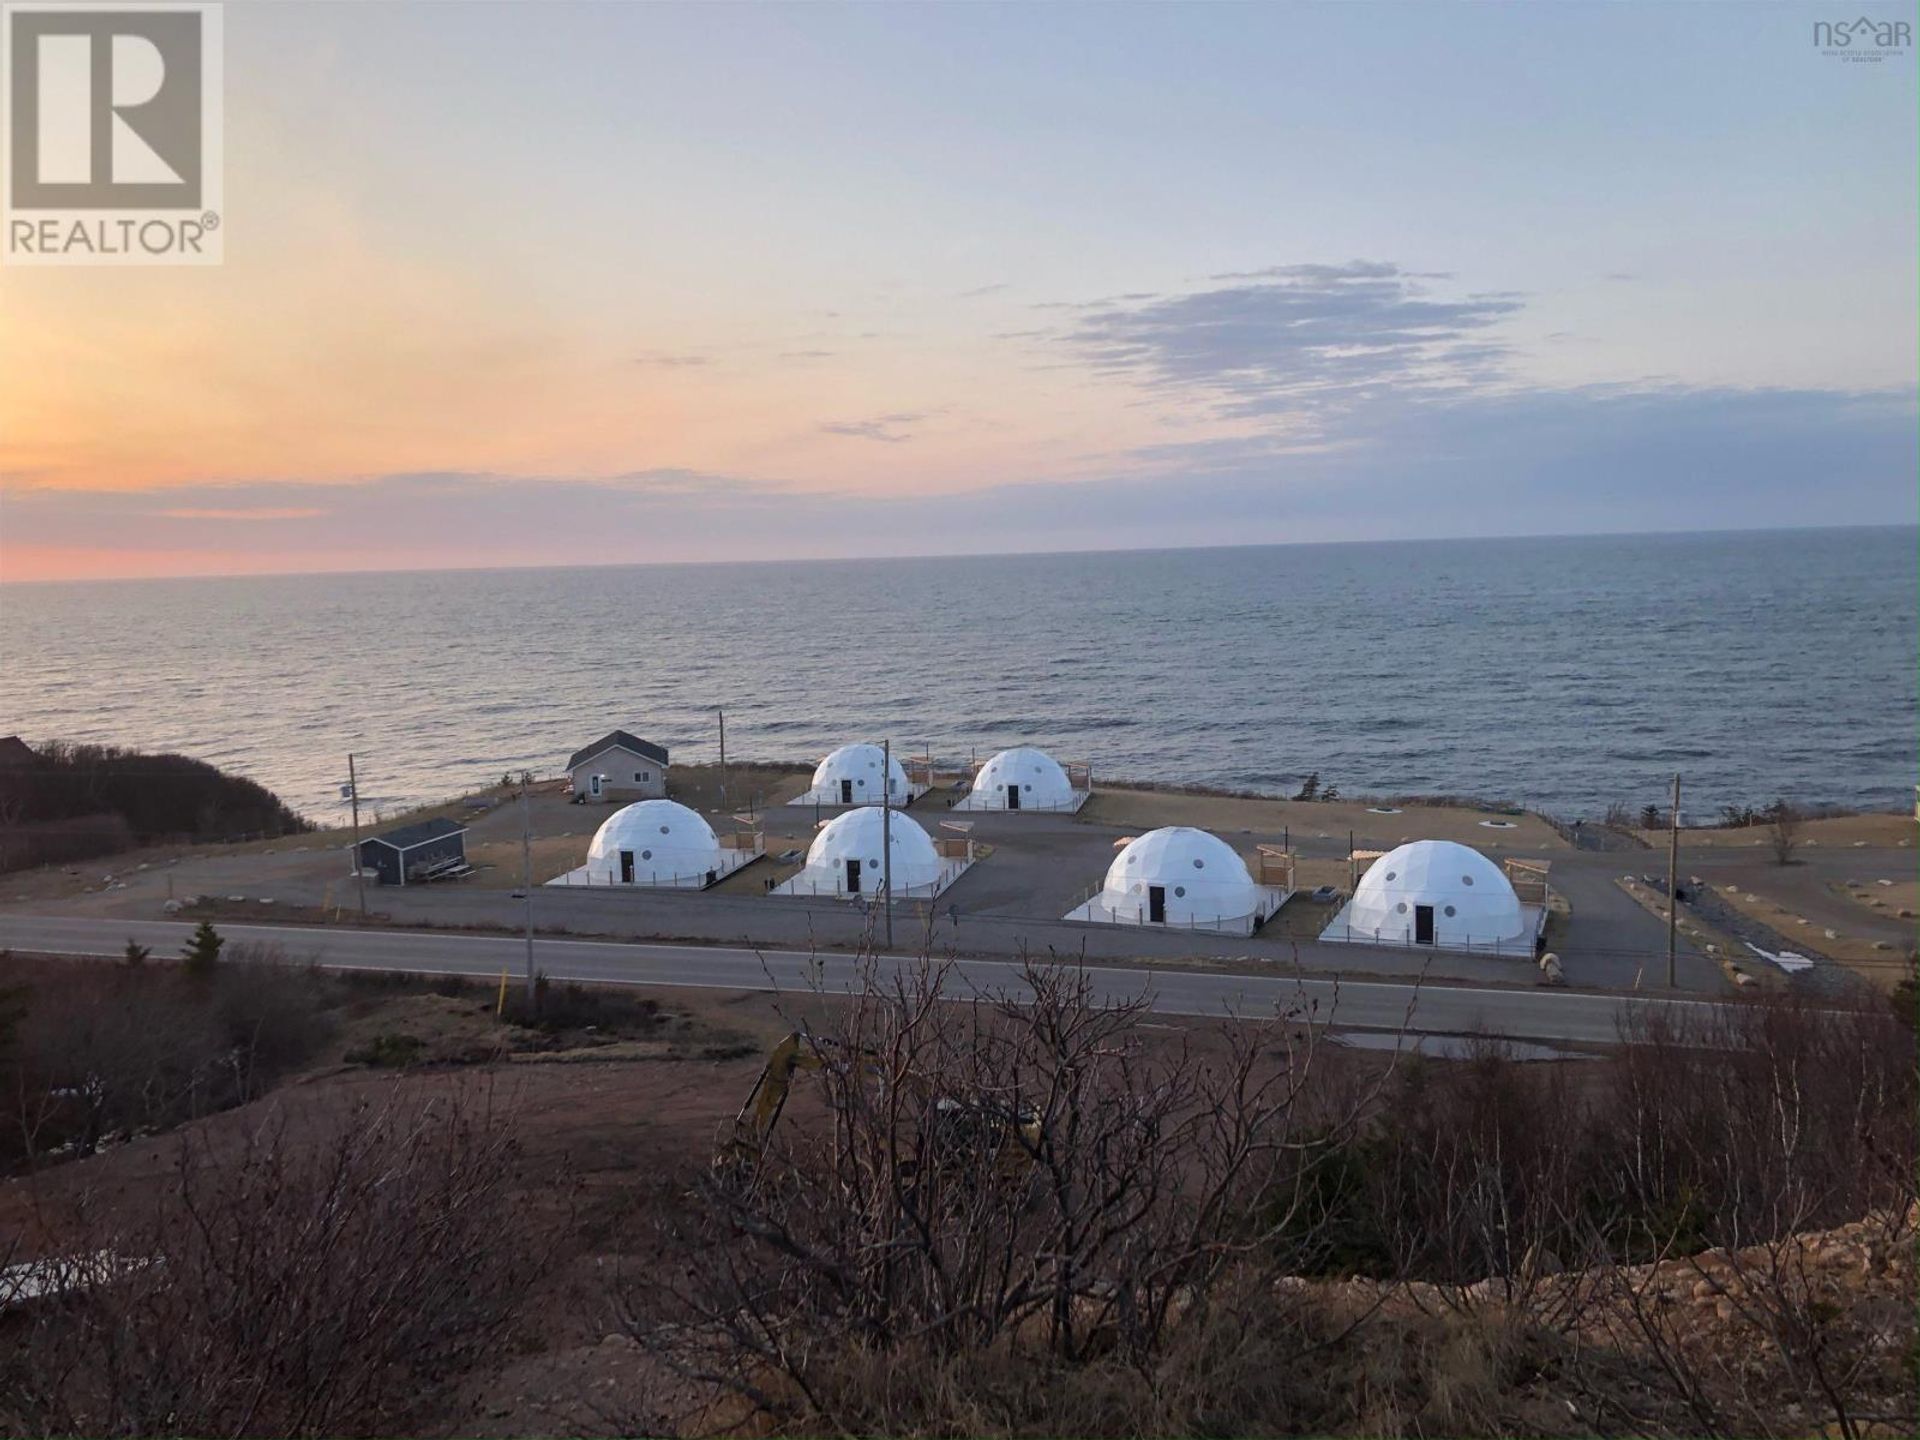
626,867
1157,904
1423,924
853,877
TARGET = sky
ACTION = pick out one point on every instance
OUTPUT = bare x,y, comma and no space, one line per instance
519,284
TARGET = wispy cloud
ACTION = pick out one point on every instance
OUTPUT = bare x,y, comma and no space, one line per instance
665,361
1500,462
980,292
885,428
1297,335
255,513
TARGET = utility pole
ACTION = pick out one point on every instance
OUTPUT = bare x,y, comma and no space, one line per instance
526,862
1673,881
721,712
886,833
353,794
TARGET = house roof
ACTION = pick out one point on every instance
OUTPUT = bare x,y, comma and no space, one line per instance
619,739
407,837
15,752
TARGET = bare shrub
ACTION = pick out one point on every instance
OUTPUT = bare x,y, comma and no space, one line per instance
1021,1172
997,1218
1740,1131
272,1014
121,1051
317,1278
1783,831
112,1051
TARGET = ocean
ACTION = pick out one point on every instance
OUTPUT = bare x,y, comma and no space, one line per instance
1562,674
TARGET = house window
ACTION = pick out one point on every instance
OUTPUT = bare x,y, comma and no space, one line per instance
639,775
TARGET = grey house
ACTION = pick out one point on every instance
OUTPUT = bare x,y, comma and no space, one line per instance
618,767
413,854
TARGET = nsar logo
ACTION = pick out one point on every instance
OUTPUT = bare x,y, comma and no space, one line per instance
1864,39
113,134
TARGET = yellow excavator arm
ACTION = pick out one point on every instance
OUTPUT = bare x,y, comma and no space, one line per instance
1018,1133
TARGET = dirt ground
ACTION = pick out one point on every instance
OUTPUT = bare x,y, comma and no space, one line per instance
1866,946
1307,821
1890,830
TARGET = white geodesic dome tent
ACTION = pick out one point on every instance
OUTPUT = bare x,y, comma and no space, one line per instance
1468,900
654,842
1022,778
1179,876
847,857
858,774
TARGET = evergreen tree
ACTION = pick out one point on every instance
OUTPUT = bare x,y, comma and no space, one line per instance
135,955
201,954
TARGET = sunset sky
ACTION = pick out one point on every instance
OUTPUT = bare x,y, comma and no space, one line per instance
539,284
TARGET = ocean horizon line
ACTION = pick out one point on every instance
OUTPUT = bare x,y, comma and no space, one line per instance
922,557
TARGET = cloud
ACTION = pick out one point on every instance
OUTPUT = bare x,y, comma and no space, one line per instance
1528,462
885,428
1297,337
980,292
672,362
256,513
806,355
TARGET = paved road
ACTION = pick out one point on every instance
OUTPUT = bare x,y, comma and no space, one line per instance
1535,1014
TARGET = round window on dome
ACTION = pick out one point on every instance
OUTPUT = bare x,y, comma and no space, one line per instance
1180,890
874,863
1026,787
646,854
1198,863
1466,879
1401,908
1391,876
664,830
1449,910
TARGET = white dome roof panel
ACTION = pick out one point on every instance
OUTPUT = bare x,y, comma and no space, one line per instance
1472,900
666,839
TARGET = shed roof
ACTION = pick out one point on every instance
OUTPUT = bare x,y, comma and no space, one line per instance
619,739
409,836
